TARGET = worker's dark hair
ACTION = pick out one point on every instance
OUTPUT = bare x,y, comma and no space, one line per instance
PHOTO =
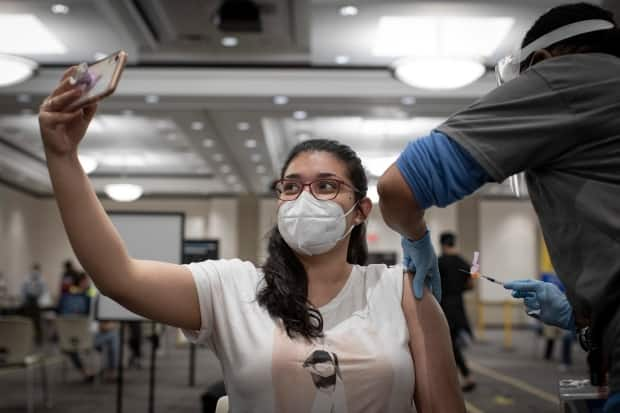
602,41
447,239
285,294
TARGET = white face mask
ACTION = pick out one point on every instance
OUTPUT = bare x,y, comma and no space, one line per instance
310,226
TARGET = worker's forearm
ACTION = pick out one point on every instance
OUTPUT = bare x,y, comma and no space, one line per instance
92,235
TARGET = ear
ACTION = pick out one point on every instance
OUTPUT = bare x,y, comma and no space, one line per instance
539,56
363,210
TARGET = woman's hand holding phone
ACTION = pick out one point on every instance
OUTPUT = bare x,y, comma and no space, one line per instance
62,128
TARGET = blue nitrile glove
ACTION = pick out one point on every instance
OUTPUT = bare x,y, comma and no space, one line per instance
546,298
420,258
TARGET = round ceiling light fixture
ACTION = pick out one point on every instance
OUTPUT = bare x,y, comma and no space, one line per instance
124,192
437,72
15,69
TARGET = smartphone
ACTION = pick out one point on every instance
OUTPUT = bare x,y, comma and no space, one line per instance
100,78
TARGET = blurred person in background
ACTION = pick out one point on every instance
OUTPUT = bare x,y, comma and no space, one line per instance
69,277
33,291
78,301
454,282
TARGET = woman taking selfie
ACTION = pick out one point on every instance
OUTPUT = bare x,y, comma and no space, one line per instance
314,329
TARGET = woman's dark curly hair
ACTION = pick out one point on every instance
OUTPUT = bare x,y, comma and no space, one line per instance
285,294
602,41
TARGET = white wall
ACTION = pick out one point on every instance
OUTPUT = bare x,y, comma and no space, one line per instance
31,230
508,244
17,237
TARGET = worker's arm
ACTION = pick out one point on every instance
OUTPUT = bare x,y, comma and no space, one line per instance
159,291
436,382
433,170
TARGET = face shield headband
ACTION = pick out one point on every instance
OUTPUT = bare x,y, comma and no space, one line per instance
508,68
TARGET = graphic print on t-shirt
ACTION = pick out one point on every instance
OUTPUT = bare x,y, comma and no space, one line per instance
325,372
340,373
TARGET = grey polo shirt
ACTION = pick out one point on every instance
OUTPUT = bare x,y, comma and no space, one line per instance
560,123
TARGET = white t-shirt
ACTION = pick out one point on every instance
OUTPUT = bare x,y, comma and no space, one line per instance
363,363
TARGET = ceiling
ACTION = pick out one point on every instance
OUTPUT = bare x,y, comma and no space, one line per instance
194,118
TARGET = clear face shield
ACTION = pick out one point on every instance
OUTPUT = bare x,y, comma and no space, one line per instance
508,68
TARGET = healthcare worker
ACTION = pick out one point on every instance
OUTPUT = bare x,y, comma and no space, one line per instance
555,116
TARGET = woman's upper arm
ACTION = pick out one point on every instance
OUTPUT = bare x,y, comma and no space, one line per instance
436,386
162,292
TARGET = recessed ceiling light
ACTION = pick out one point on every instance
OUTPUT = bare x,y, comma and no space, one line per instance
300,114
250,143
256,157
407,100
60,8
197,125
280,100
225,169
243,126
24,98
261,169
127,112
15,69
24,34
152,99
218,157
438,73
229,41
348,11
208,143
342,60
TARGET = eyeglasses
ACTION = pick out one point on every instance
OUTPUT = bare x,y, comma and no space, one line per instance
322,189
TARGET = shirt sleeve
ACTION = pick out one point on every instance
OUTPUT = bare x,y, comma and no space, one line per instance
521,125
439,171
221,286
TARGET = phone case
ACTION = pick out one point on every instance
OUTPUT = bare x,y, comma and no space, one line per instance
118,70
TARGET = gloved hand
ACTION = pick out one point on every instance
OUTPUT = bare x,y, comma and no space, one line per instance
420,258
553,306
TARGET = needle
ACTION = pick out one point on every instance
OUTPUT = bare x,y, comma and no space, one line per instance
493,280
